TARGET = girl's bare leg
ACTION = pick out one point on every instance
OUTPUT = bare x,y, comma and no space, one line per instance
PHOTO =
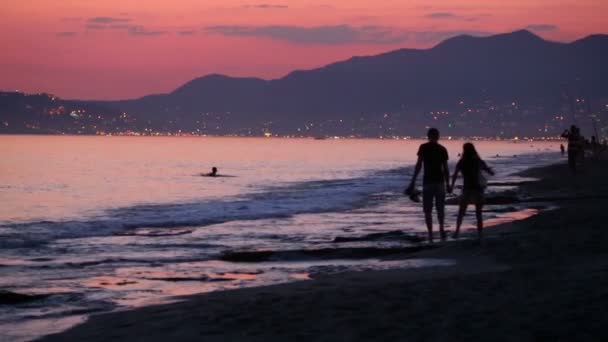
462,209
478,209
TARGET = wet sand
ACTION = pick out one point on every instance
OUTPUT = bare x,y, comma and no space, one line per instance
542,278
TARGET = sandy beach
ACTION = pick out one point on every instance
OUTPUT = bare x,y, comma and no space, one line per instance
542,278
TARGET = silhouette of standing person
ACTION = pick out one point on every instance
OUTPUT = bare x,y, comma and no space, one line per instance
471,166
575,147
562,149
594,147
434,158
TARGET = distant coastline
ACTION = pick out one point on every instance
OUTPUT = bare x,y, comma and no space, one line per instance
514,139
465,86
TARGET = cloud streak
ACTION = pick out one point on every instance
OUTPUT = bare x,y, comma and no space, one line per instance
324,35
107,20
339,34
142,31
266,6
343,34
123,24
542,27
186,32
441,15
114,23
454,16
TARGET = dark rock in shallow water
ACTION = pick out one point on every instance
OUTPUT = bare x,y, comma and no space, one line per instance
490,199
320,254
502,199
506,209
509,184
41,259
395,235
11,298
178,279
125,282
147,233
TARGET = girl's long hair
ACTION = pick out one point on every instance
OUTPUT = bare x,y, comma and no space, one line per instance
469,153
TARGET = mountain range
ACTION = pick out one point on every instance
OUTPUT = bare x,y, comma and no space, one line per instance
503,79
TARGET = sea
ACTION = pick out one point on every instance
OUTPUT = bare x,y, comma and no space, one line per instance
98,224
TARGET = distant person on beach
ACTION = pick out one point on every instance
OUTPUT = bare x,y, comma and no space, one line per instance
436,180
562,149
474,185
594,147
575,146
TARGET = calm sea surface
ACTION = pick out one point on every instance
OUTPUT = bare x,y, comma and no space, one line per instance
105,223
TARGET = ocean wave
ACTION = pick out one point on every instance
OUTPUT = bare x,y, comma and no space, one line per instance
318,196
287,200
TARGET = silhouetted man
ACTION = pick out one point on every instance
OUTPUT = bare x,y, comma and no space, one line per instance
435,181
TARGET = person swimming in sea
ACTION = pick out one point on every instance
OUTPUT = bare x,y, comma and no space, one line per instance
213,173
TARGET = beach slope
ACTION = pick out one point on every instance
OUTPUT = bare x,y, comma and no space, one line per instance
542,278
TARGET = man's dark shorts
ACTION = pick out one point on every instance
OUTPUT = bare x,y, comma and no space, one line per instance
433,192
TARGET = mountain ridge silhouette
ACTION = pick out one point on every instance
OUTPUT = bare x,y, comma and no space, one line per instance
458,74
510,65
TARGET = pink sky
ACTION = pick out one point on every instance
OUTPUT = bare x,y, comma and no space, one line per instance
110,49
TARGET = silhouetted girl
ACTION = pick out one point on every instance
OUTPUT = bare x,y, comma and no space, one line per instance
471,166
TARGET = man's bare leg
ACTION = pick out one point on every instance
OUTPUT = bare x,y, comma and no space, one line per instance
441,218
428,217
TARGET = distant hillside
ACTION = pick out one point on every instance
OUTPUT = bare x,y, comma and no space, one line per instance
46,114
505,85
515,67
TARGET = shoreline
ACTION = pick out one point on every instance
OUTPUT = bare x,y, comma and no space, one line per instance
537,278
551,139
